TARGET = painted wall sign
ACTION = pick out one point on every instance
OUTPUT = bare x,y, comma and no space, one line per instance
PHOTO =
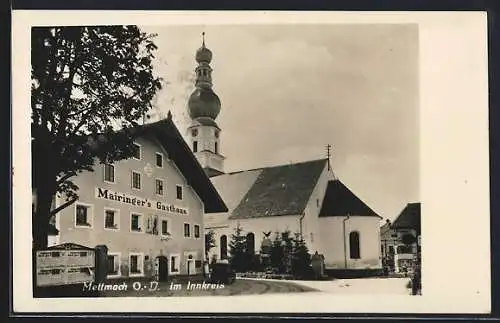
118,197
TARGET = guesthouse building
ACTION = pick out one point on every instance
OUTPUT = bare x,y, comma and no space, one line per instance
148,210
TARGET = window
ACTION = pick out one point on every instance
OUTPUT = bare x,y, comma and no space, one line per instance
186,230
110,219
159,187
164,227
223,247
196,231
216,147
250,243
82,217
114,265
195,146
404,249
194,132
136,264
391,250
109,173
179,192
174,264
136,149
159,160
354,245
136,180
135,222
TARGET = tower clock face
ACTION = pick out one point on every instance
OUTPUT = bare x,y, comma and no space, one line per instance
194,132
216,133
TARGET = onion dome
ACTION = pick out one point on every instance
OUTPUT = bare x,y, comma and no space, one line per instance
203,54
203,102
204,121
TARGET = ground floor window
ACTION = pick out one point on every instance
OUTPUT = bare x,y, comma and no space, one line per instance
196,231
136,264
113,264
175,261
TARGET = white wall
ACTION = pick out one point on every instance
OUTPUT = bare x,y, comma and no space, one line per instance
332,244
257,227
310,223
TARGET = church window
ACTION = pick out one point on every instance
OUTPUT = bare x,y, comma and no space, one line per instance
223,247
354,245
216,147
195,146
250,243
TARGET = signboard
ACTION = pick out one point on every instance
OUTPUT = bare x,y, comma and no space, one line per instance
65,264
124,198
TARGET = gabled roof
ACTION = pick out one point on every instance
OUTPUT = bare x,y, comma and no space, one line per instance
280,190
340,201
409,218
177,149
232,187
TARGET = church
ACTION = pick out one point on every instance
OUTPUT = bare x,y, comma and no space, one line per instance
305,198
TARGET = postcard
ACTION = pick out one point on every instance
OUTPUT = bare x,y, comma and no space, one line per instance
250,162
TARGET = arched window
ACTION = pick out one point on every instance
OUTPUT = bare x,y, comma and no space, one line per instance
354,245
251,243
223,247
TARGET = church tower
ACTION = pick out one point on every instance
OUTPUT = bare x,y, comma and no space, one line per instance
203,108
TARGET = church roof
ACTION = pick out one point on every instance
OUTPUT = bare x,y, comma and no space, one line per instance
409,218
280,190
340,201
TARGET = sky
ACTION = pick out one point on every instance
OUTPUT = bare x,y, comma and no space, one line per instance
289,90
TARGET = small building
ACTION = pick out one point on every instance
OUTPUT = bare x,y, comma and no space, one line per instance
399,240
148,209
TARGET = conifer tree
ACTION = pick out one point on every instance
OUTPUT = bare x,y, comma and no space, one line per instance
301,259
237,250
276,253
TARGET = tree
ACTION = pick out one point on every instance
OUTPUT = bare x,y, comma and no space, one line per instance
301,259
276,256
209,242
85,82
237,250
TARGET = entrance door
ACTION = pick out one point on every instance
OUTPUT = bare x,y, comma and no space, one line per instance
191,266
162,268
